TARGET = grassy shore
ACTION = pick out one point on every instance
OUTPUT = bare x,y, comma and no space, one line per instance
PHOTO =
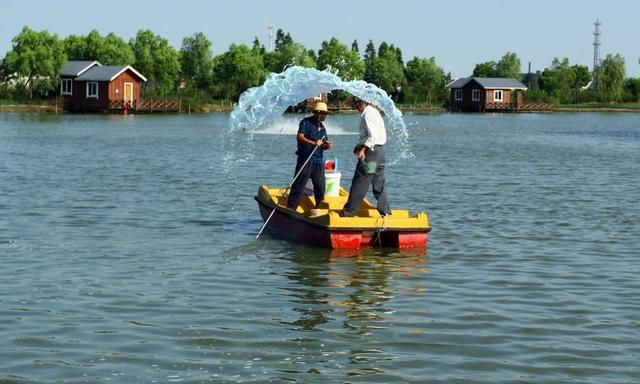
598,107
28,106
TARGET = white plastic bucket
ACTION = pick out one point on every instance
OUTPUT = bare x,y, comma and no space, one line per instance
332,185
332,181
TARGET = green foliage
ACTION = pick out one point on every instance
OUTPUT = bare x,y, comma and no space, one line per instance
426,79
196,60
157,60
37,58
282,39
237,70
115,51
385,69
370,52
507,67
488,69
355,48
610,78
337,56
632,90
288,55
109,50
76,48
563,82
5,77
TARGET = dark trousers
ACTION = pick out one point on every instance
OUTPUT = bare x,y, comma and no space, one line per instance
312,171
360,184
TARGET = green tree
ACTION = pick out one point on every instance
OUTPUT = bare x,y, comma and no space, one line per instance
76,47
370,56
632,88
581,79
237,70
509,66
156,60
38,58
196,60
258,48
559,80
337,56
282,39
386,70
109,50
487,69
370,51
115,51
289,54
426,78
610,77
355,48
5,77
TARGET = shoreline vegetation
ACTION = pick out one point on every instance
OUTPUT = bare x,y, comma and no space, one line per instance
200,78
10,106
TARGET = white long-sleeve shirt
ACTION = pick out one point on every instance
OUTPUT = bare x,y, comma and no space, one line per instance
372,130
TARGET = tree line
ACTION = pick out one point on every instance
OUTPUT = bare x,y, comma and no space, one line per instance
34,64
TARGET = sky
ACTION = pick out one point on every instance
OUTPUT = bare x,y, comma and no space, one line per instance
459,34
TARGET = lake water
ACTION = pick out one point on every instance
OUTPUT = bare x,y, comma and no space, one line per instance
128,255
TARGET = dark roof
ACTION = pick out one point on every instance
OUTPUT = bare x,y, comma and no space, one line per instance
107,73
489,83
76,68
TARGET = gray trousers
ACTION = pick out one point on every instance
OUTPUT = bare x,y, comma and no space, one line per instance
360,185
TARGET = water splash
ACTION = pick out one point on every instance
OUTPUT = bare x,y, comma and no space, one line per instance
260,106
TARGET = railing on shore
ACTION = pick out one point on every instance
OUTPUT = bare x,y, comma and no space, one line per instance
159,106
146,105
512,107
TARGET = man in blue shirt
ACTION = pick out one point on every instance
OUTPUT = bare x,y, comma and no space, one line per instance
311,135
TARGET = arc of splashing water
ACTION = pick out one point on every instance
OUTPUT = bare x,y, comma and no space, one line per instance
261,105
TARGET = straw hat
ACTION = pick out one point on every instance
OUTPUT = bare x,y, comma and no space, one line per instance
321,107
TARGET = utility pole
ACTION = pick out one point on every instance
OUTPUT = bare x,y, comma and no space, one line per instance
596,51
270,27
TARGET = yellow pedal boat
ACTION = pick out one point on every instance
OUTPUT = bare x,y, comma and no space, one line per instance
330,229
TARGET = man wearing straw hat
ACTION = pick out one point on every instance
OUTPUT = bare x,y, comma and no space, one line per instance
370,167
312,141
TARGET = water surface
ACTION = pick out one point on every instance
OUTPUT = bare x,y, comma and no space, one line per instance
128,254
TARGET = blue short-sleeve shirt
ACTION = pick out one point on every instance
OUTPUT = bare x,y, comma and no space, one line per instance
308,126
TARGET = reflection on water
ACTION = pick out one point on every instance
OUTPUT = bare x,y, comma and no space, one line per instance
351,299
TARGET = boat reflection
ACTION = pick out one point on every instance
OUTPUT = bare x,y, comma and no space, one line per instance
347,299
